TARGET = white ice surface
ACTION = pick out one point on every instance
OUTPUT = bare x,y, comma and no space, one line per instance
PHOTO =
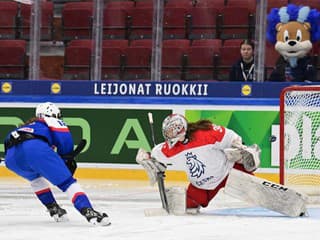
23,217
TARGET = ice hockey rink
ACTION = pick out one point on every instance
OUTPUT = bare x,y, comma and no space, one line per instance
23,217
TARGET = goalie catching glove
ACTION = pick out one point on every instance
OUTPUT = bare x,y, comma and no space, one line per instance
151,165
249,156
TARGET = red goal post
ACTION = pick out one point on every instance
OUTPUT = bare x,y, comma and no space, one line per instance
300,138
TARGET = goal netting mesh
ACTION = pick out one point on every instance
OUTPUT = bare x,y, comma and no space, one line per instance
300,139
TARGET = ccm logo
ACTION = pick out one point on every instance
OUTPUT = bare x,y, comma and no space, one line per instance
275,186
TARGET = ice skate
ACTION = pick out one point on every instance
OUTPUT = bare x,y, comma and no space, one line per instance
95,217
59,214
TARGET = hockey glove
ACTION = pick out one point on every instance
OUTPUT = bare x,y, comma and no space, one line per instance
69,159
72,165
70,162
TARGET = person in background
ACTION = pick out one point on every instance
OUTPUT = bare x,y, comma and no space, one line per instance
243,69
30,153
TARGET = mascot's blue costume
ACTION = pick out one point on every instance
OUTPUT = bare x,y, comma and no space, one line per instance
293,29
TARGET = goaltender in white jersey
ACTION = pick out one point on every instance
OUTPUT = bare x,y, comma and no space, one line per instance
200,147
210,154
205,163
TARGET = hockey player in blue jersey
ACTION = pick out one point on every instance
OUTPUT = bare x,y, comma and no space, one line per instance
40,150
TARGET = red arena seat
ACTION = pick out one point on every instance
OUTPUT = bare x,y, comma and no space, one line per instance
46,21
8,25
271,57
140,22
310,3
77,61
209,3
174,59
174,22
137,63
202,22
228,56
13,59
115,23
77,20
241,27
249,4
276,4
112,66
202,61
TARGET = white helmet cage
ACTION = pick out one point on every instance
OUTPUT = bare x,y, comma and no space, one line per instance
48,109
173,128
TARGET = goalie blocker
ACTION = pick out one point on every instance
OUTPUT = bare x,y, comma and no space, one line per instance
264,193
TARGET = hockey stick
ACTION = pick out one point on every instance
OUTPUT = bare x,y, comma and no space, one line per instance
150,117
160,175
80,147
76,151
69,159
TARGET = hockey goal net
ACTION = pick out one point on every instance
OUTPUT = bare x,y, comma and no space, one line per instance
300,139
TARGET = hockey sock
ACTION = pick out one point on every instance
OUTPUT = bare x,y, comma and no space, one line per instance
78,197
45,196
42,190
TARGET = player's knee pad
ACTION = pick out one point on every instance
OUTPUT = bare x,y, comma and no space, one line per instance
39,184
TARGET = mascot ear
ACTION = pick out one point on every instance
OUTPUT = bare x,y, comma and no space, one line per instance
307,26
278,26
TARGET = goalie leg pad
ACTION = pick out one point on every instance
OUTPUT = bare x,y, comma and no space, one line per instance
265,194
176,197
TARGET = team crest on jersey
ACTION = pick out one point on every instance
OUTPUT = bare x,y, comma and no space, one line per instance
196,167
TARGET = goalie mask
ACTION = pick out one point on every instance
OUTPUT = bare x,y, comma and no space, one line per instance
174,128
48,109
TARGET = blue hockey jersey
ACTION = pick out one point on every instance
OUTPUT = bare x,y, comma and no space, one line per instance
54,130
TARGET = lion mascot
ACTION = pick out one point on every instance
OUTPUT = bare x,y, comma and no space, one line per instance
293,29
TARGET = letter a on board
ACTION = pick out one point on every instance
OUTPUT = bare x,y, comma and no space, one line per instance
141,142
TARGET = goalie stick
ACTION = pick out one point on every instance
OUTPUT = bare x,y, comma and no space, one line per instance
160,175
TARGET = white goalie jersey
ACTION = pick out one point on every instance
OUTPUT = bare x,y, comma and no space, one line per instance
203,158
